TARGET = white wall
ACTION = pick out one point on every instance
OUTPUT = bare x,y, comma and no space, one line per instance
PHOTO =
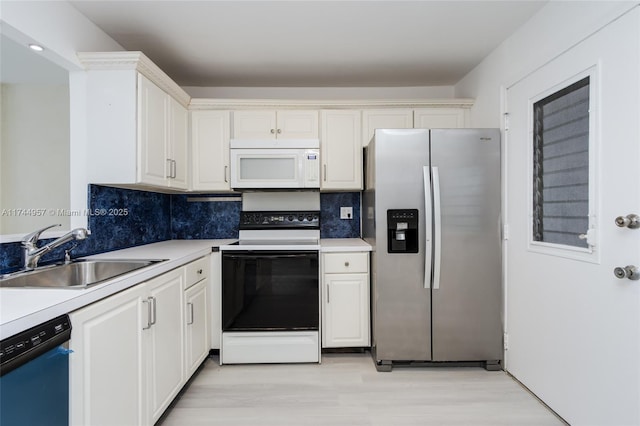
322,93
558,26
43,132
62,31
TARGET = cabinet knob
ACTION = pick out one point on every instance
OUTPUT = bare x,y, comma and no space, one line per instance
346,264
279,131
199,271
273,131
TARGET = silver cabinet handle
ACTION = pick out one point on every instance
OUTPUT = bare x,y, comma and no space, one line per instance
226,168
190,305
175,169
199,271
629,272
153,310
170,166
325,172
328,299
172,169
631,221
148,314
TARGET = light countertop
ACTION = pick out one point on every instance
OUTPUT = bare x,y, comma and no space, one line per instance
22,308
328,245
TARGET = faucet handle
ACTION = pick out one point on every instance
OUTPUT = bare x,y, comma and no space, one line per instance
67,253
32,238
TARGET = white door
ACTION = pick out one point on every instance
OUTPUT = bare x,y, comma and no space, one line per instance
573,328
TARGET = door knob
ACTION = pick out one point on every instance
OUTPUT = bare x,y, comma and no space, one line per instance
630,272
631,221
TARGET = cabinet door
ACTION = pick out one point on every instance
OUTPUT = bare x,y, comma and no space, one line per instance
165,360
254,125
297,124
210,150
438,118
197,326
341,150
384,119
106,369
178,122
152,133
346,313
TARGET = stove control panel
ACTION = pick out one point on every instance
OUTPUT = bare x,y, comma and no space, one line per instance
280,220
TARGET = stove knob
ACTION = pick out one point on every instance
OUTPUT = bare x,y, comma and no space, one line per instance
290,218
300,218
309,217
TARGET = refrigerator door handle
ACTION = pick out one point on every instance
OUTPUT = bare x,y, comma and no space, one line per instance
437,228
427,226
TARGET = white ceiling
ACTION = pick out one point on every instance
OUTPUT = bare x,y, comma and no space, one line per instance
311,43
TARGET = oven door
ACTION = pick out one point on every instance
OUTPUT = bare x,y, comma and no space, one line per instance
270,291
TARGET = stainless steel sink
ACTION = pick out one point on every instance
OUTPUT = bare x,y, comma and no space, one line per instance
75,275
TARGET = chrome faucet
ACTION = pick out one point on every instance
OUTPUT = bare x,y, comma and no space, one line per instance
31,253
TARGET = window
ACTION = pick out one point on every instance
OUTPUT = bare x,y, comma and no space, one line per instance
561,166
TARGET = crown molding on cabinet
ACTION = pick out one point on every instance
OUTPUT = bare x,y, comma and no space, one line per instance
213,104
134,61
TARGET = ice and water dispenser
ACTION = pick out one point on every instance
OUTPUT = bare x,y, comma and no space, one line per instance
402,231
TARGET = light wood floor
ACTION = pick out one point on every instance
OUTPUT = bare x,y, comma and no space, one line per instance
346,389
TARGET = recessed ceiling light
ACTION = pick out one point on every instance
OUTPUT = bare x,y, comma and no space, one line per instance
36,47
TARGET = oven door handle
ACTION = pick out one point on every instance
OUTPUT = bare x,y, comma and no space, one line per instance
267,256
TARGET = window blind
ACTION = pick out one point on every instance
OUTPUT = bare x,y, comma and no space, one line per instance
561,166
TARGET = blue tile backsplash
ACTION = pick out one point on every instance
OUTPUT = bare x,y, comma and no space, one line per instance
124,218
199,217
331,226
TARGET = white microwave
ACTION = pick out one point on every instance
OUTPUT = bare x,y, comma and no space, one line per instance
285,163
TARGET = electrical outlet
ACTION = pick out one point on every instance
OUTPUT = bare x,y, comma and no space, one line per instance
346,212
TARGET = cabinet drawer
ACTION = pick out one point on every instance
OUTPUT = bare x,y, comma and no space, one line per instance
345,263
197,271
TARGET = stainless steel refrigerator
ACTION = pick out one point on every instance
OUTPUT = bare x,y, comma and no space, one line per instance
431,211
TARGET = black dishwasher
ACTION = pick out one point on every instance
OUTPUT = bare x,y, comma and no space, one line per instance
34,375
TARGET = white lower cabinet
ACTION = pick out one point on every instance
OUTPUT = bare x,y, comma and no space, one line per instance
165,341
345,301
107,367
135,350
197,314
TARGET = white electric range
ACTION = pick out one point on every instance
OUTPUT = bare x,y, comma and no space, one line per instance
271,289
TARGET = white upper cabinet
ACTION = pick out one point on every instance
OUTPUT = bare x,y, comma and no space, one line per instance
439,118
137,122
341,150
281,124
210,150
179,145
396,118
162,137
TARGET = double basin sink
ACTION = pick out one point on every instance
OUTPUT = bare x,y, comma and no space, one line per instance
79,274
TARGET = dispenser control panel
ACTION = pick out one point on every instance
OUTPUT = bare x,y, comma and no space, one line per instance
402,231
